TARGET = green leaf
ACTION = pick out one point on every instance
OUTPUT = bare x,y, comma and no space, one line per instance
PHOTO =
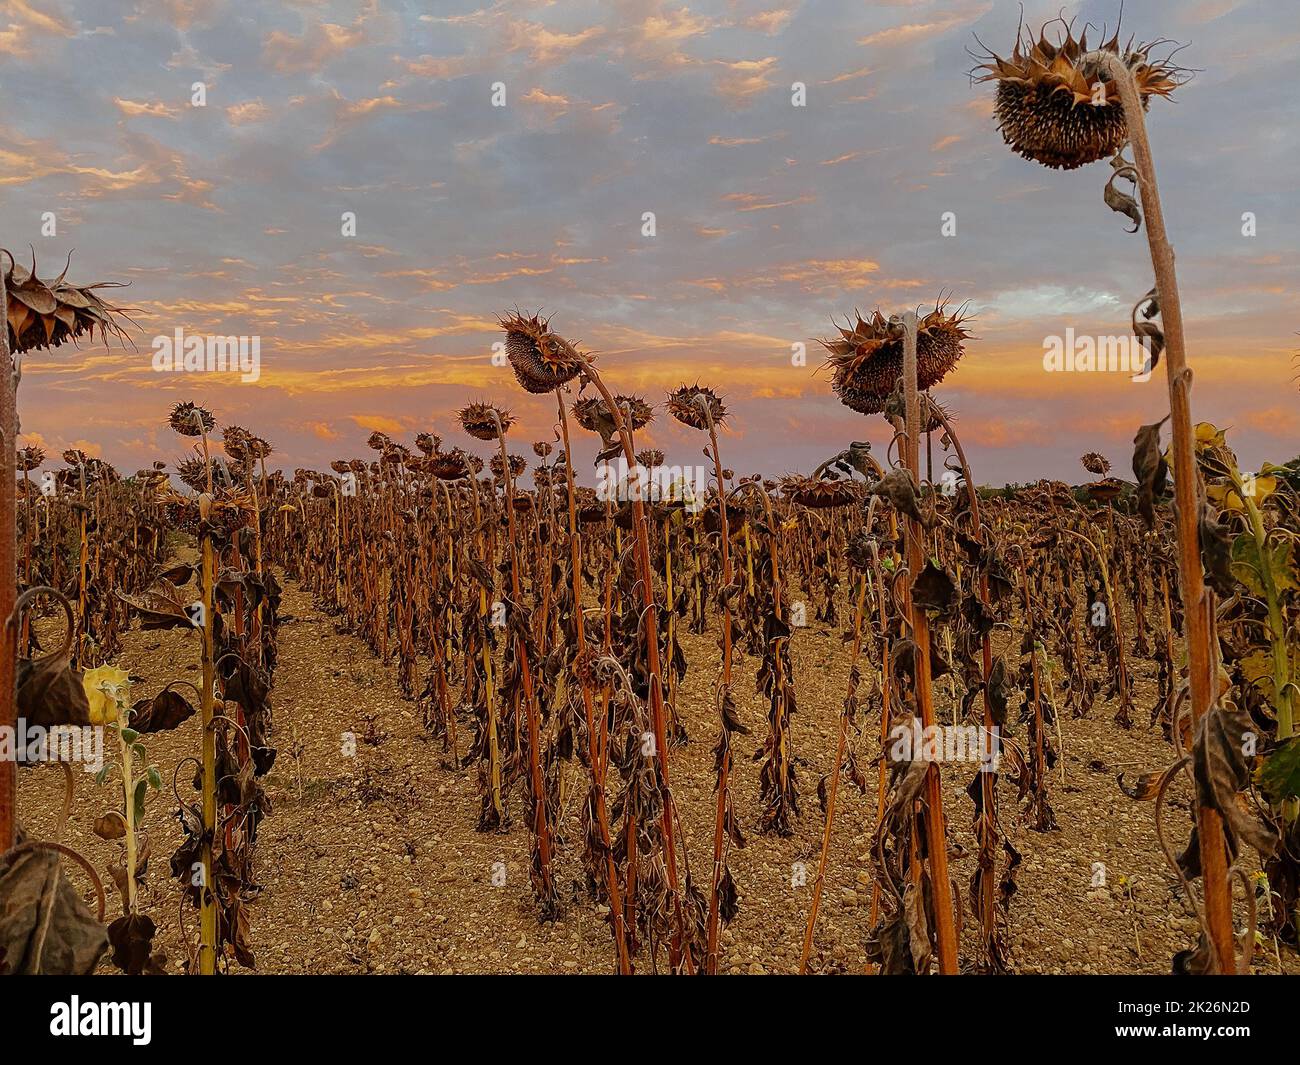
154,777
1279,773
1248,563
102,775
141,790
129,736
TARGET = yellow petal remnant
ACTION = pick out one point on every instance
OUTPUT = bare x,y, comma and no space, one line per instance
1208,435
107,690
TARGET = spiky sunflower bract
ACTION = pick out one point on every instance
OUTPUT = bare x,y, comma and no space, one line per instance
1055,103
867,357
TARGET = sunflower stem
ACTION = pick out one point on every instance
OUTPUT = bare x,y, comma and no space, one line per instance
936,842
8,573
1197,606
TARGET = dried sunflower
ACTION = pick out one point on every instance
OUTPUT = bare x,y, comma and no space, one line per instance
235,440
29,458
428,442
593,414
1095,462
517,466
45,314
193,473
820,493
636,411
690,403
186,419
1105,490
542,360
867,357
448,465
480,420
650,458
1056,104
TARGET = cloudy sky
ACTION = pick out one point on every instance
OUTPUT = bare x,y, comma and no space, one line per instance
770,219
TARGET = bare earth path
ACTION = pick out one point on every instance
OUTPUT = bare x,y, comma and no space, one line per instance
370,862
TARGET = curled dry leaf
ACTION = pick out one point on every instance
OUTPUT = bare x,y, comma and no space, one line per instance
45,928
164,711
898,489
1221,770
1118,200
1149,468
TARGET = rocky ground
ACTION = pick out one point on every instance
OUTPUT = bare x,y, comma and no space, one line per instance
370,862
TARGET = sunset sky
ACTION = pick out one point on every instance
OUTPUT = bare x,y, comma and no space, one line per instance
771,219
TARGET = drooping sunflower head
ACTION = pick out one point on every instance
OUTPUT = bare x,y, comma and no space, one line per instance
542,448
236,441
821,493
47,313
866,359
1106,490
480,420
650,458
378,441
448,465
592,413
696,406
29,458
1056,103
517,467
189,419
636,411
542,360
194,473
1096,463
428,443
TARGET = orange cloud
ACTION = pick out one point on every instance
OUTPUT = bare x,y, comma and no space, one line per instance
157,108
770,22
379,423
913,30
26,24
749,201
740,81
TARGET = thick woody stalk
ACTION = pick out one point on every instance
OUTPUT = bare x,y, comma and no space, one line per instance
646,577
595,755
540,829
935,835
1196,605
8,574
724,772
